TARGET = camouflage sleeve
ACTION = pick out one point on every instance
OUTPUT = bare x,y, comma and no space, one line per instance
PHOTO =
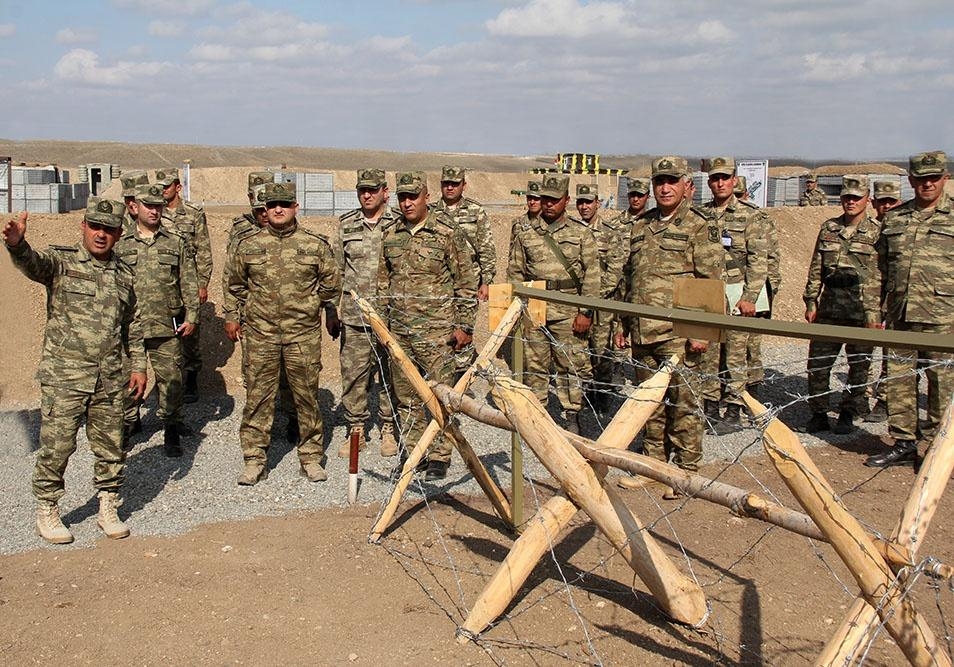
188,283
756,257
237,286
517,262
871,287
329,277
592,273
132,326
486,250
337,253
814,282
37,266
803,200
464,275
616,257
203,251
774,263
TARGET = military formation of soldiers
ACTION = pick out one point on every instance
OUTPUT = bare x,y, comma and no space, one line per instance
132,289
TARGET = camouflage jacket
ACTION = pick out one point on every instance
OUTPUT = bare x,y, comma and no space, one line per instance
917,252
242,226
532,258
814,197
612,240
279,280
685,246
743,229
189,221
472,218
844,281
357,251
91,314
626,219
774,264
164,279
427,273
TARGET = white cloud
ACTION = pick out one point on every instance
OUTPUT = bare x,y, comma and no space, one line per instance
563,18
267,28
181,7
76,36
165,28
82,66
8,29
715,32
214,52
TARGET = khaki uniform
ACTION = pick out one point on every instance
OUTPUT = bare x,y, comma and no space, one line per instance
90,314
917,249
166,288
844,287
280,280
813,198
756,370
533,258
427,272
687,245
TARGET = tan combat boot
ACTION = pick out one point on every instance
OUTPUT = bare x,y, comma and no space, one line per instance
344,452
389,446
108,519
253,473
49,526
313,471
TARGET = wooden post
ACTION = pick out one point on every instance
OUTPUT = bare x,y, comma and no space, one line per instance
680,597
516,452
850,542
438,422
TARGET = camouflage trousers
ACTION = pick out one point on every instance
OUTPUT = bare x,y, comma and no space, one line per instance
675,428
878,376
602,355
902,385
286,402
434,359
363,359
556,346
264,361
62,411
753,360
821,359
725,368
165,355
191,354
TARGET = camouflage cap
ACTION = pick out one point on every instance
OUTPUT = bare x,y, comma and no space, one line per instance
722,165
258,195
371,178
259,178
410,182
932,163
887,190
587,191
280,192
533,188
639,186
555,186
812,178
452,174
106,212
854,185
670,165
740,186
130,179
166,177
150,194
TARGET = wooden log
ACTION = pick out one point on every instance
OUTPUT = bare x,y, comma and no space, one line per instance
542,530
854,633
680,597
438,420
851,543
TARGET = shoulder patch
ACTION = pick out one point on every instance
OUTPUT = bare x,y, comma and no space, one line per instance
714,235
196,207
702,212
353,213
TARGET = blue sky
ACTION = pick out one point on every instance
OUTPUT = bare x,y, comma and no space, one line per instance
815,79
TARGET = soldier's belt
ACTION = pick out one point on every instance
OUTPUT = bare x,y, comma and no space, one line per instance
842,280
567,283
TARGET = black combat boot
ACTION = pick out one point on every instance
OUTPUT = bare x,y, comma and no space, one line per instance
732,421
879,413
190,393
845,423
170,441
817,424
903,453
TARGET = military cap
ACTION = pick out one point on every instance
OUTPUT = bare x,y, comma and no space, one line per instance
410,182
533,188
854,184
740,186
555,186
812,178
371,178
452,174
587,191
638,186
670,165
106,212
259,178
150,194
887,190
131,179
722,165
166,177
258,195
932,163
280,192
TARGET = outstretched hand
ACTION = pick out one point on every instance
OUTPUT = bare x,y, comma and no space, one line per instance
15,230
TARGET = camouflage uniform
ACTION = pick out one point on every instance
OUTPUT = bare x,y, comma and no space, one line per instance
756,370
91,314
280,278
129,180
844,285
815,197
532,258
166,288
427,272
686,245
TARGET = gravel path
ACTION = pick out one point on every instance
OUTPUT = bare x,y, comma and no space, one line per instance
169,496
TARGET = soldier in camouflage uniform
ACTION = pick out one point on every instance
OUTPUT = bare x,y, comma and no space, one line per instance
357,251
673,240
917,252
280,275
563,252
189,221
168,296
637,192
813,195
612,237
91,315
843,288
129,180
428,274
534,206
743,233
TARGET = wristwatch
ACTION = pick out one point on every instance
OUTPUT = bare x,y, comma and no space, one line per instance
588,314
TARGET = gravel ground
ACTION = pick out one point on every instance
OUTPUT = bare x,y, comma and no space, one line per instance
169,496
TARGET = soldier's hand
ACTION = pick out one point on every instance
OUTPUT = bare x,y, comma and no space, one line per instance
460,339
811,316
581,324
483,292
696,346
185,329
15,230
137,385
203,295
233,330
620,341
745,308
333,326
874,325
